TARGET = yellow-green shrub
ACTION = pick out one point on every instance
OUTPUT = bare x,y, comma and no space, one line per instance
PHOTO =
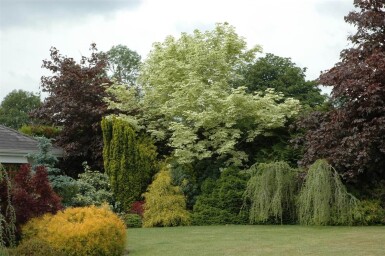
165,204
80,231
34,247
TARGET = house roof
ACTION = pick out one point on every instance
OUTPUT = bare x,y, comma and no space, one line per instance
15,146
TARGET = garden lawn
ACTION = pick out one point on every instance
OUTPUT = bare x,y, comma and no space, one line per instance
256,240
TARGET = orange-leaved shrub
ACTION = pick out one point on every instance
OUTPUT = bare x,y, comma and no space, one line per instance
80,231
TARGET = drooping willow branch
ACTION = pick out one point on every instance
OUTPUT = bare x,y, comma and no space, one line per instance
323,199
270,193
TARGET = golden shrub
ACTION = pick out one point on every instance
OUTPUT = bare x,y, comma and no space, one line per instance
165,204
80,231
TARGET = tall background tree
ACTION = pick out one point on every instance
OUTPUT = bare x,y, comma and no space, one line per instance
352,135
283,76
15,108
193,109
123,64
75,104
190,101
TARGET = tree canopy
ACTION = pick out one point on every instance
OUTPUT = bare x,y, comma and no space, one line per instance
190,101
123,64
15,108
284,76
352,135
75,104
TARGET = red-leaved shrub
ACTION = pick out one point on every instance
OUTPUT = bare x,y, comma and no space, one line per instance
137,208
32,194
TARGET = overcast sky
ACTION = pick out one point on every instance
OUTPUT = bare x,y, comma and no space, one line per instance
311,32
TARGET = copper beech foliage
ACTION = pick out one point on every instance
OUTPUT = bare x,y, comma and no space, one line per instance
351,136
75,103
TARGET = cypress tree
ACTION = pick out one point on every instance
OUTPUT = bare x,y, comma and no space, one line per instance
129,160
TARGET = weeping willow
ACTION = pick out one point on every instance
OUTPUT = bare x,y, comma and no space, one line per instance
323,199
270,193
7,212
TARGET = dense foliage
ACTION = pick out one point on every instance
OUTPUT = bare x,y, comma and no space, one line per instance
83,231
32,194
283,76
165,204
352,135
208,108
370,212
75,104
220,201
15,108
185,177
129,161
132,220
323,199
123,64
34,247
26,195
93,189
190,101
65,186
270,193
39,130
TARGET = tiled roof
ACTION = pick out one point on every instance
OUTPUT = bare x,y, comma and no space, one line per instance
11,141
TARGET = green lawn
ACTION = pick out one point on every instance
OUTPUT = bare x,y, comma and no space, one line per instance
257,240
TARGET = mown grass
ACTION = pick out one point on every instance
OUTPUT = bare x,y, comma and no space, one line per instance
257,240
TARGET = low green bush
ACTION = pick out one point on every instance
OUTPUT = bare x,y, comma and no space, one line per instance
132,220
35,247
221,200
370,212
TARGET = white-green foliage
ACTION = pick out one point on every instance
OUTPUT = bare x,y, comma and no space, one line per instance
93,188
323,199
127,101
190,99
7,213
270,193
